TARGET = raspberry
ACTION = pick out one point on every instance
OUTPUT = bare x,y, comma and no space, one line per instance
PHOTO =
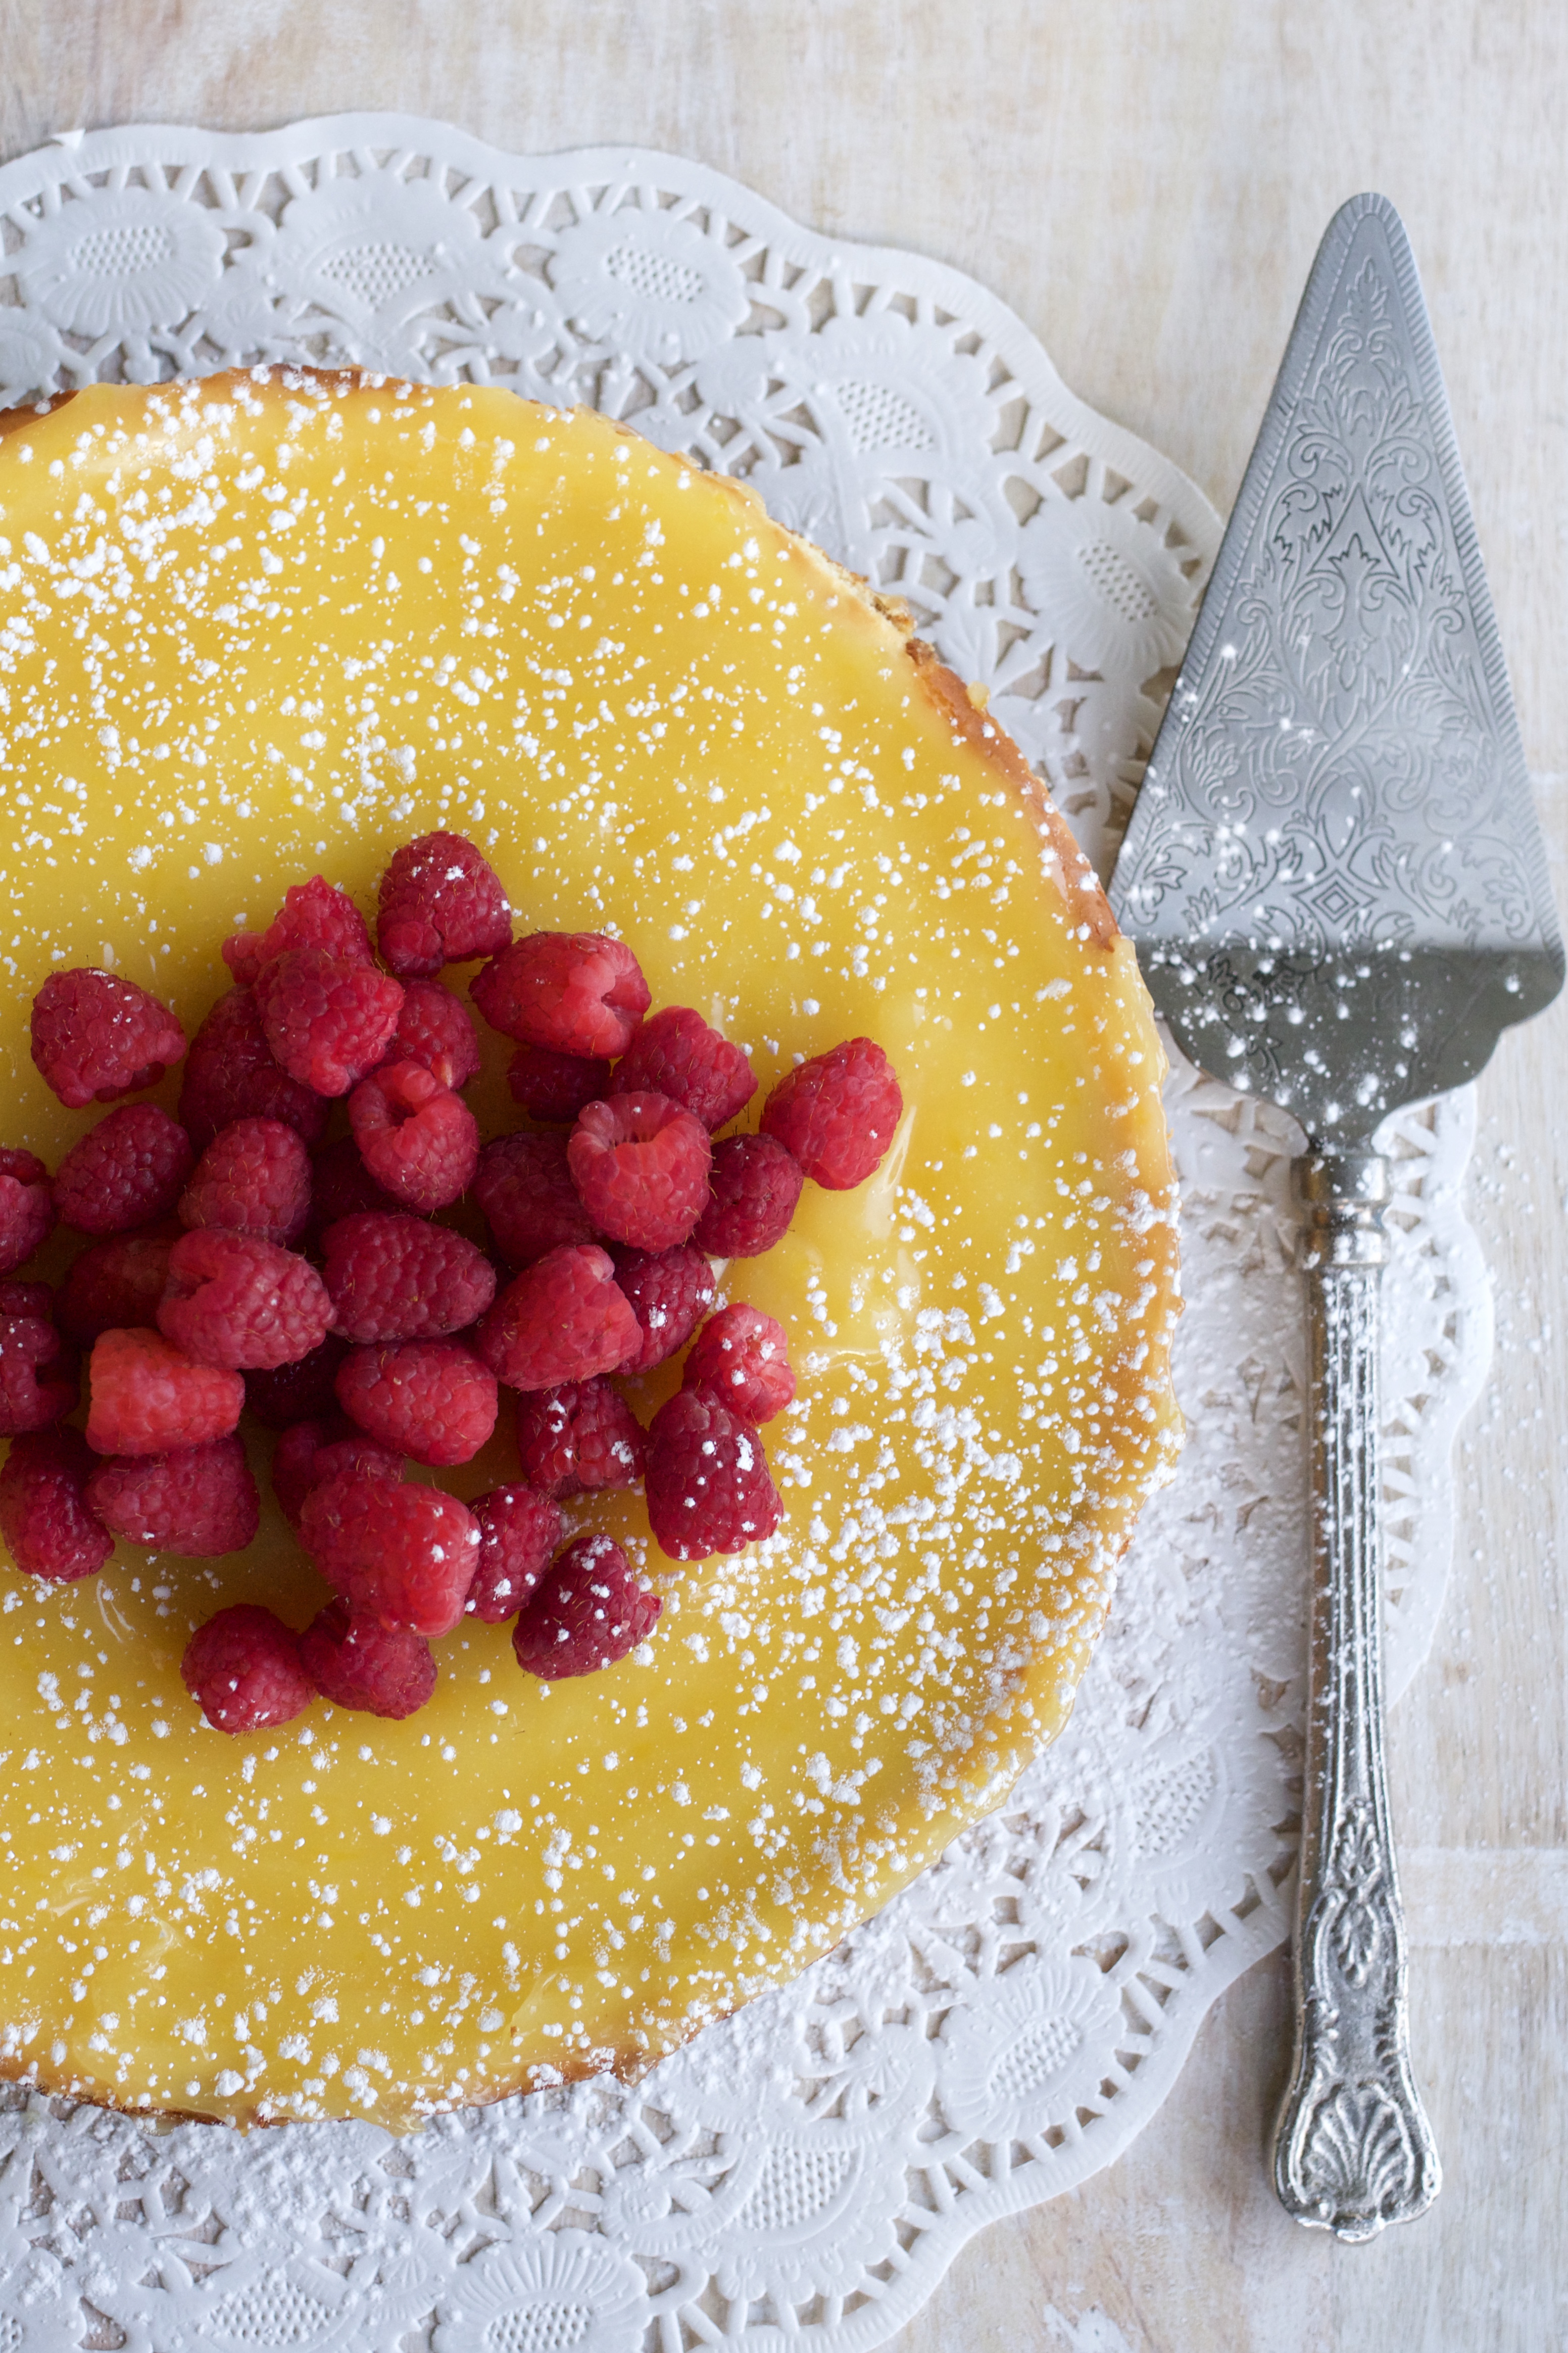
401,1554
27,1207
588,1612
670,1291
430,1398
418,1140
837,1113
230,1074
114,1286
441,903
434,1030
241,1303
327,1018
314,914
523,1186
254,1178
640,1165
244,1670
394,1278
709,1486
199,1501
128,1170
752,1191
577,991
96,1037
519,1530
357,1662
18,1298
294,1465
311,1453
342,1186
563,1318
678,1055
742,1357
45,1517
551,1086
30,1348
146,1397
580,1436
293,1392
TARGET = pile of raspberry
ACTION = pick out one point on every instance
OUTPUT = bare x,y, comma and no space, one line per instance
239,1256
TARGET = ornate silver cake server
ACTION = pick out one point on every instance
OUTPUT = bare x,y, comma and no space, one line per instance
1337,888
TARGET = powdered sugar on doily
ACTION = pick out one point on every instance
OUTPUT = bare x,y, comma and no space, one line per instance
1007,2024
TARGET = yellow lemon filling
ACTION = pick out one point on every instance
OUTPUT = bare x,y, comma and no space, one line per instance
256,629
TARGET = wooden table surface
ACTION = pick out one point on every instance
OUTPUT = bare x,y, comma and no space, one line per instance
1144,181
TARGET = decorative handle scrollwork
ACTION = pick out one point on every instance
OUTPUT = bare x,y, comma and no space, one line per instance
1354,2151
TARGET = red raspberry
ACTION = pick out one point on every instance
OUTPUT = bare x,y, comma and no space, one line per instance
311,1453
342,1186
640,1165
563,1318
675,1053
27,1207
434,1030
244,1670
392,1278
670,1291
97,1037
523,1187
742,1357
45,1517
146,1397
199,1502
588,1612
441,903
430,1398
752,1191
114,1286
359,1664
837,1113
39,1379
128,1170
230,1074
580,1436
709,1486
326,1018
293,1392
254,1178
237,1302
551,1086
294,1465
577,991
402,1554
19,1298
519,1530
419,1139
314,914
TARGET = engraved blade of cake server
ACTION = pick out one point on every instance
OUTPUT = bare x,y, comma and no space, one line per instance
1337,886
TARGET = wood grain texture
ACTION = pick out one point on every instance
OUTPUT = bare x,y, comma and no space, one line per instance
1145,182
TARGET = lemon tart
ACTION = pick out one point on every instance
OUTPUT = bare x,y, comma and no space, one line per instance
267,626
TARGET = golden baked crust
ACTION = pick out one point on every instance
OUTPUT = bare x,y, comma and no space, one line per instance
263,626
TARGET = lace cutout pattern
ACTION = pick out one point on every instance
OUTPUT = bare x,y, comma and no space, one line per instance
1006,2026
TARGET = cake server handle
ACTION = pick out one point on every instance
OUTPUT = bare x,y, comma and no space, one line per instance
1352,2148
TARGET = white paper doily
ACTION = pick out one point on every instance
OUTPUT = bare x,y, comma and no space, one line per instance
803,2174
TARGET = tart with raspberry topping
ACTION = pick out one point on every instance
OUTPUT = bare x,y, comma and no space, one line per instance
274,638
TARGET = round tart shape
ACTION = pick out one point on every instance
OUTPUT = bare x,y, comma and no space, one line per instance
263,626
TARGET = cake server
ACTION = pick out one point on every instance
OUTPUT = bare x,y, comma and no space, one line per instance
1337,888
